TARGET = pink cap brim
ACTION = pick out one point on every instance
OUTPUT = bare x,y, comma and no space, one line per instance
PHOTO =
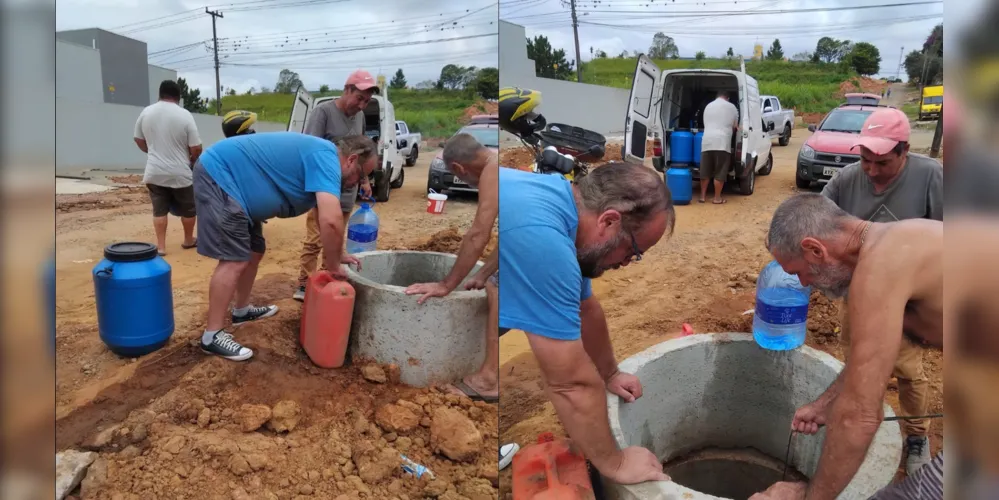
877,145
366,86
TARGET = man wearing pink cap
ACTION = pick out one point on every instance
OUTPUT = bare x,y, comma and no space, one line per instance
890,184
333,120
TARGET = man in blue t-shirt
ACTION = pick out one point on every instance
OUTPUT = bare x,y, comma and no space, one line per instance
241,182
553,238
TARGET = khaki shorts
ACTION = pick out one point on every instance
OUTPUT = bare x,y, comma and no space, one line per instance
177,201
715,164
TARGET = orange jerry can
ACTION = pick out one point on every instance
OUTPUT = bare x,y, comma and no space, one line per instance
552,469
326,315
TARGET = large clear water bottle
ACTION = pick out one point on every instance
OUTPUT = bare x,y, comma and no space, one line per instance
362,230
779,323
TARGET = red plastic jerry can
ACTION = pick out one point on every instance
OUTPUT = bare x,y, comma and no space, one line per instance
326,317
552,469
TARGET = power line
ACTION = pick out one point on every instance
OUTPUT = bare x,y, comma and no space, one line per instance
646,13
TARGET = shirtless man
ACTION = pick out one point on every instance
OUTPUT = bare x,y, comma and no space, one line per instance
894,275
477,166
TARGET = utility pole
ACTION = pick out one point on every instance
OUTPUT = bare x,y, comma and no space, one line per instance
898,70
937,136
215,47
575,34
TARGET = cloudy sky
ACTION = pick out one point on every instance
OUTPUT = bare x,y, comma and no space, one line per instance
322,40
713,26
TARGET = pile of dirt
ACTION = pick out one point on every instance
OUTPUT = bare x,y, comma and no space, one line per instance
120,197
278,427
126,179
479,108
518,157
449,241
811,118
823,319
866,84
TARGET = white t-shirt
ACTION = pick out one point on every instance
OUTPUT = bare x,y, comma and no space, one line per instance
719,117
169,131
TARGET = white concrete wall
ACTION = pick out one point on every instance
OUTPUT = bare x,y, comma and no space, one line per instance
96,135
156,76
593,107
78,73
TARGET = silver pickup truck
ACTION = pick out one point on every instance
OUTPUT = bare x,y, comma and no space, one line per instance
779,121
408,142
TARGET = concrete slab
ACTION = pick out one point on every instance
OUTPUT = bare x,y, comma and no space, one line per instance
723,391
439,341
73,186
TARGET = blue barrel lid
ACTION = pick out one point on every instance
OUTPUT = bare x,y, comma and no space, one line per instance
129,251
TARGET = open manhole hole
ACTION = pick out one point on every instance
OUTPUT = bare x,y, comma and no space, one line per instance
717,409
726,473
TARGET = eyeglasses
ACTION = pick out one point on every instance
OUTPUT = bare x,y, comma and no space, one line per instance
636,254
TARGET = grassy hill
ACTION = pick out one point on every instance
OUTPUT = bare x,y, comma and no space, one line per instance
433,113
807,87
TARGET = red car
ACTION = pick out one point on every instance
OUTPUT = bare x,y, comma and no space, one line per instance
486,131
828,149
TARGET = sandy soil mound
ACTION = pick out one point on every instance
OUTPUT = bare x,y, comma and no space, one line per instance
278,427
449,241
866,85
124,196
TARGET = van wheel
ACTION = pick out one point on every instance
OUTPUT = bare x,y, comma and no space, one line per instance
396,184
411,160
785,137
382,189
769,165
748,183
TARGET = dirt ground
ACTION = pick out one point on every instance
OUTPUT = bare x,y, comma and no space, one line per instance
179,424
704,275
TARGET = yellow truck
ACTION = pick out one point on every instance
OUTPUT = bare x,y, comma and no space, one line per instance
932,102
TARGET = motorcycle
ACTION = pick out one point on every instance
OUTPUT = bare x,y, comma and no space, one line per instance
564,150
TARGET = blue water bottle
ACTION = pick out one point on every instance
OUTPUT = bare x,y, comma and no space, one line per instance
779,323
362,230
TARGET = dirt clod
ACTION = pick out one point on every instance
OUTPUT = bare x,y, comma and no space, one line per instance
284,416
374,373
396,419
454,435
253,417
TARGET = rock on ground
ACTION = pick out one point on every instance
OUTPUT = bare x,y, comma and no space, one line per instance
454,435
284,416
97,477
71,467
395,418
374,373
252,417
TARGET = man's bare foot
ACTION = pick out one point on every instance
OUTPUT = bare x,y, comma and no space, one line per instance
472,387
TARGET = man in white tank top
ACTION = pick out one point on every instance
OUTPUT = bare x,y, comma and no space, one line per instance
168,135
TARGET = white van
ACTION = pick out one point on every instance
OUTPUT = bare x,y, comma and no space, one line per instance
664,101
379,125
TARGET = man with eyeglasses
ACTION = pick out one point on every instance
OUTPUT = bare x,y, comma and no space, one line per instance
553,238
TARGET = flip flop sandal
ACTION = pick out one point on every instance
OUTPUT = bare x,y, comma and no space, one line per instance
192,245
473,394
161,253
506,453
724,201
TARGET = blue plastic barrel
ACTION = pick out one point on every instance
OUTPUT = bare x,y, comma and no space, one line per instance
681,148
681,185
134,299
698,139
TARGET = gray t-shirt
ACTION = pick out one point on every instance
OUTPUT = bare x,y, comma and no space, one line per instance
916,194
328,122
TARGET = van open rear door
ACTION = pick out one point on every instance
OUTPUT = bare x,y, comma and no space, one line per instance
643,109
300,111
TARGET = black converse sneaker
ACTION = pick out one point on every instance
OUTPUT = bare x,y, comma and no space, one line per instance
255,313
223,345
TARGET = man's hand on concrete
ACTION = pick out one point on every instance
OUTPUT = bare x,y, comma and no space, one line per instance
351,260
476,283
637,465
783,491
428,290
809,418
338,272
625,385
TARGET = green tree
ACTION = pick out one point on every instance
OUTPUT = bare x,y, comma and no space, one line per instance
700,55
486,83
288,82
231,91
549,63
830,50
776,53
865,58
250,91
191,97
601,54
914,67
663,47
398,81
730,54
802,57
933,45
452,77
324,88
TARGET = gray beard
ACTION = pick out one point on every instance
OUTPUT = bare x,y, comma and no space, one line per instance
589,257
